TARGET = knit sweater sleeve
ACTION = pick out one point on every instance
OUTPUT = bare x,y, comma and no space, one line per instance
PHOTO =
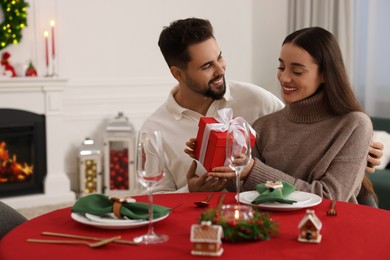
340,178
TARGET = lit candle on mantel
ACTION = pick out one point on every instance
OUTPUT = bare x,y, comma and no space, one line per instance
52,24
46,35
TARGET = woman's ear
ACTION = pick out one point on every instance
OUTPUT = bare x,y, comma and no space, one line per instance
322,78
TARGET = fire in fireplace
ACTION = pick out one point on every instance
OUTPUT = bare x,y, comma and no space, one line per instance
11,170
22,152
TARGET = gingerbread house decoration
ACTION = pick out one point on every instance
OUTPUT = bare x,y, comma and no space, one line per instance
309,228
206,239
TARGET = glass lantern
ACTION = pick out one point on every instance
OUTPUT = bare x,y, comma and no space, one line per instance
119,150
90,168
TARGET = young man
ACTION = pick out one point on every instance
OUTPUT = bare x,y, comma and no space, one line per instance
196,62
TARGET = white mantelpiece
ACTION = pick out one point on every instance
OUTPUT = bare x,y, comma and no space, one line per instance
41,96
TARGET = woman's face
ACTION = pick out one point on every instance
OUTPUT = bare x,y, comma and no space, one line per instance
297,73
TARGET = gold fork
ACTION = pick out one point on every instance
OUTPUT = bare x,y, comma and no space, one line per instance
332,211
93,245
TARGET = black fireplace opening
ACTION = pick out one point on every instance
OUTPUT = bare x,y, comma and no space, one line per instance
22,153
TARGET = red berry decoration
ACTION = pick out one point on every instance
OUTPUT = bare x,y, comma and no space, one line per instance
31,71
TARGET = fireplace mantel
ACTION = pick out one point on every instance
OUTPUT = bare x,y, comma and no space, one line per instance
41,96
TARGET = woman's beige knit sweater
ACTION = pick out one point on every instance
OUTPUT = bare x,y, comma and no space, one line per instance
317,152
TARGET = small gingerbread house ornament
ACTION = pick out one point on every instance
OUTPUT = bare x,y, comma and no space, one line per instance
206,239
309,228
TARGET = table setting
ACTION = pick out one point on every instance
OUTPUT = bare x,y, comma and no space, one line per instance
271,221
282,198
361,222
96,210
123,213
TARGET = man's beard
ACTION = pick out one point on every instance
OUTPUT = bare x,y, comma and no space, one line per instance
209,91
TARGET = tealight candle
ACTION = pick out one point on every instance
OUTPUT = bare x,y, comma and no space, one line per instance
237,213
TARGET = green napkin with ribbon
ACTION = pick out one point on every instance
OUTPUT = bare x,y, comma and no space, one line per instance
277,194
98,204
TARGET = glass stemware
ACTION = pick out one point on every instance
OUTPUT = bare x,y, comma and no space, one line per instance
150,170
238,149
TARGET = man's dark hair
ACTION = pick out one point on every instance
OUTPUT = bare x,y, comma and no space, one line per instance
179,35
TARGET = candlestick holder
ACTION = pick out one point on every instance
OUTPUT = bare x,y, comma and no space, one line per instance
47,71
53,71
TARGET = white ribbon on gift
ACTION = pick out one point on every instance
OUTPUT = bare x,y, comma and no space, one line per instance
225,116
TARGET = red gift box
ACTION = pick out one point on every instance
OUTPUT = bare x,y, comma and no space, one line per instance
216,145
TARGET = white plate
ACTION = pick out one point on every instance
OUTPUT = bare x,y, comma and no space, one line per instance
111,219
113,225
304,200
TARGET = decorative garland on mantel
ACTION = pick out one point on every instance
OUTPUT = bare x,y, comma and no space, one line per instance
15,19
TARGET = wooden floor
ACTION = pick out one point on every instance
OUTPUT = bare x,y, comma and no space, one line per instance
30,213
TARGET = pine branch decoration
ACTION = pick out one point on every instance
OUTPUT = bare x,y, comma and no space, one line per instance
261,227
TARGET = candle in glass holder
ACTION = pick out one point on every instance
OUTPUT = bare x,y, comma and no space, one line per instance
237,213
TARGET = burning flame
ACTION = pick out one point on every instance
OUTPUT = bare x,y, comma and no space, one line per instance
10,169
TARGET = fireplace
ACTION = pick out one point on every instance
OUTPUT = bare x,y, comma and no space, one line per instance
31,135
22,152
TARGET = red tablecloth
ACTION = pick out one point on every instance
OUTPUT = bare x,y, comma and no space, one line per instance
357,232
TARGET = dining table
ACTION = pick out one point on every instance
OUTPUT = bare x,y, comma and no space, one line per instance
355,232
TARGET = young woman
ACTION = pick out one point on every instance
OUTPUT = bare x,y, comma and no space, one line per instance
320,140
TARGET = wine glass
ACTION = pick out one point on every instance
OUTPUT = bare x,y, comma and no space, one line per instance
150,170
238,149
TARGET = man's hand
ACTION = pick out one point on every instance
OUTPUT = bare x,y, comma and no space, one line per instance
374,156
190,147
196,183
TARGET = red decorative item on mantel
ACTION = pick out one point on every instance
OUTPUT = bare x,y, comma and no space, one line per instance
31,71
8,69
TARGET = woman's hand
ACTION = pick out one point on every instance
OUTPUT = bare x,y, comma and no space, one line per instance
204,183
227,172
374,156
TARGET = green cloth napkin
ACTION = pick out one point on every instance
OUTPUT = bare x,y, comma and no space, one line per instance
98,204
274,195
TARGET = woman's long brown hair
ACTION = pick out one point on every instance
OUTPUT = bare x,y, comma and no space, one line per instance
339,96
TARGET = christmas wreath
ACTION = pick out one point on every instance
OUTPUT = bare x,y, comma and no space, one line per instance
261,226
15,19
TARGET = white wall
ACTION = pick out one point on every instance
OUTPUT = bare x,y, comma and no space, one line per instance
269,30
108,51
